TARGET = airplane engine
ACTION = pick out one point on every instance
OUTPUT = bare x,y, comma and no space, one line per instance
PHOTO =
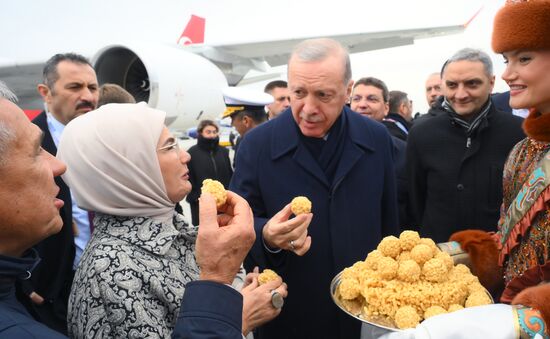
186,86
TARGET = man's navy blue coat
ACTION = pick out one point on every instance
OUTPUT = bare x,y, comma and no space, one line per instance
350,215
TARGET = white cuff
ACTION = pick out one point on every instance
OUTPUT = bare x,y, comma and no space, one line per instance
481,322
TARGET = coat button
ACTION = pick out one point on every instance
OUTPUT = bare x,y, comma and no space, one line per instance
460,187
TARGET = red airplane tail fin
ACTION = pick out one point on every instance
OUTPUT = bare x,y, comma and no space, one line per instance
193,33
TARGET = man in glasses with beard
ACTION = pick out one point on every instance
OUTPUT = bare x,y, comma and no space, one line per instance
69,89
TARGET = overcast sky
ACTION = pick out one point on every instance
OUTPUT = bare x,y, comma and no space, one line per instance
46,27
406,68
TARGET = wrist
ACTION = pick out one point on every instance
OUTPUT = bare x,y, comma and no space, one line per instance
266,237
269,248
219,278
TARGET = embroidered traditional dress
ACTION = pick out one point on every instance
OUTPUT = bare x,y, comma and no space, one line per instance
132,277
519,249
532,250
524,227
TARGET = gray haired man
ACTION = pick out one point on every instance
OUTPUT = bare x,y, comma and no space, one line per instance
29,213
456,153
343,163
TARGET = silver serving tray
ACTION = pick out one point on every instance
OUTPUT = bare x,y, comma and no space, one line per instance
372,325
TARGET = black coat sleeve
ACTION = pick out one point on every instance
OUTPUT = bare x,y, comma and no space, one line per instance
417,181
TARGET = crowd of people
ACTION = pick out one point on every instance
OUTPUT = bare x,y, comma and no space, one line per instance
94,244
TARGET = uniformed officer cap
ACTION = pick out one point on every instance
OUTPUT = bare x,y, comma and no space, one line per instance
238,99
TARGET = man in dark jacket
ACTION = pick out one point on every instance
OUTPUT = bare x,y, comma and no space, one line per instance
399,119
370,98
29,213
456,153
338,159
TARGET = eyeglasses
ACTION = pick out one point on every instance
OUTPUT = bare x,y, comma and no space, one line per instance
173,146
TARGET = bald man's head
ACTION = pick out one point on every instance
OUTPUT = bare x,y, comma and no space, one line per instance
433,88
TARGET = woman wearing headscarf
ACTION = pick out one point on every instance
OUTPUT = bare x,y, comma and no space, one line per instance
127,168
516,259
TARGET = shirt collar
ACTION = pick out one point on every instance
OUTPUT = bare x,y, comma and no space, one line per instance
55,127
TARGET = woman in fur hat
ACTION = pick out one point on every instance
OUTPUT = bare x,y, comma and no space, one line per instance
514,261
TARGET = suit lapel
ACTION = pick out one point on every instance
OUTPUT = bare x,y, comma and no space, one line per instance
304,159
359,140
47,143
350,156
286,139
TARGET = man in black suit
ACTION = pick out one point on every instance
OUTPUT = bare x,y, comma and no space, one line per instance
456,152
370,98
399,119
69,89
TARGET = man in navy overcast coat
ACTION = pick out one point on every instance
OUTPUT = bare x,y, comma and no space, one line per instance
338,159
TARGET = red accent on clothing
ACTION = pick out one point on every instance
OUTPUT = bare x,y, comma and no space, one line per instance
523,225
537,126
532,277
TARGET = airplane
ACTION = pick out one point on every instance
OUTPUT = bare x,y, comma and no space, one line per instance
183,77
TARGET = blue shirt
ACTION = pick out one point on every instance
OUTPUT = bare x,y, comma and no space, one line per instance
80,216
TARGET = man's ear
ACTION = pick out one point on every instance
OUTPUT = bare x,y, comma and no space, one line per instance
247,121
349,89
492,82
402,107
44,91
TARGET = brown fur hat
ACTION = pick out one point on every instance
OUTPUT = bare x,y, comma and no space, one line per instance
522,24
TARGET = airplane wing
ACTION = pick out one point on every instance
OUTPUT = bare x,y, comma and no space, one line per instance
276,53
22,79
234,60
254,55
